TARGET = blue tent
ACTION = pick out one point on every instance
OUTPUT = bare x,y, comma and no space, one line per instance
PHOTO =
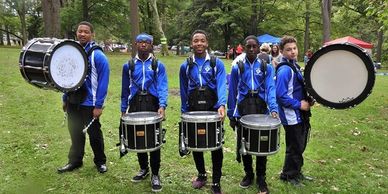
266,38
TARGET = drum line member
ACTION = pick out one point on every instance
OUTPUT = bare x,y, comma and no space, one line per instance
294,111
251,90
87,103
203,88
144,88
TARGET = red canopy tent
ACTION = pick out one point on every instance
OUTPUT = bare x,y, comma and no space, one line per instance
365,45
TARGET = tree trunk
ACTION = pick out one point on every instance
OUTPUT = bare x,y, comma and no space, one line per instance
51,18
7,35
379,47
158,24
1,36
307,27
134,23
253,26
326,13
85,10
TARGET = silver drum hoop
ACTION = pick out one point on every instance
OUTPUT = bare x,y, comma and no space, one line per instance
200,116
260,122
141,118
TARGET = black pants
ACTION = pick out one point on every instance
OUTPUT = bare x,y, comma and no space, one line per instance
78,118
154,160
217,158
261,165
296,141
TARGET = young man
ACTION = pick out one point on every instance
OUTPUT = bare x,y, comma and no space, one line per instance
251,91
144,88
294,111
197,80
86,104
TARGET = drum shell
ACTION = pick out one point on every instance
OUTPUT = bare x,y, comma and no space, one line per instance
35,62
203,130
262,139
142,134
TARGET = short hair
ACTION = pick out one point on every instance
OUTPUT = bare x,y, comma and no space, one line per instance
199,32
265,47
286,39
251,37
86,23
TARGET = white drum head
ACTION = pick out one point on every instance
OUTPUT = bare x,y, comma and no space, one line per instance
68,67
339,76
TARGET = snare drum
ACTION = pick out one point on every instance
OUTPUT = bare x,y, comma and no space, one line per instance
260,135
142,131
56,64
340,75
202,130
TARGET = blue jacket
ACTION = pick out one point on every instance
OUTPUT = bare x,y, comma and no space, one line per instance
202,75
143,78
97,80
289,93
252,79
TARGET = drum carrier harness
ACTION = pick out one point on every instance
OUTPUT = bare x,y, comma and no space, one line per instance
252,103
143,100
78,96
202,98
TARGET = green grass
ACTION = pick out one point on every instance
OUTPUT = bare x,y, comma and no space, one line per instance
347,152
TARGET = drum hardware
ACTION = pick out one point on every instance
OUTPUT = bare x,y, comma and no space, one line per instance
122,144
87,127
164,131
156,137
183,143
243,149
64,119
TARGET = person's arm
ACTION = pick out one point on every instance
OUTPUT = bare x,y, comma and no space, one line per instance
271,90
283,77
233,91
162,88
125,90
221,84
102,67
183,85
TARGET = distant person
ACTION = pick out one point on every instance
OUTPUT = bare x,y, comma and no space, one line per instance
307,56
239,49
276,55
294,111
264,54
86,104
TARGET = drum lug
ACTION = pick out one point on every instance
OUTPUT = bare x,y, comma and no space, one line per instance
243,149
122,144
164,131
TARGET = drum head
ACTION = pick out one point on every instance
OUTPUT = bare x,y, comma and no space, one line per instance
68,66
257,121
339,76
201,116
140,118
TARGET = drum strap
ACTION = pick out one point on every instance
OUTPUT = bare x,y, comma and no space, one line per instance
154,66
143,101
190,64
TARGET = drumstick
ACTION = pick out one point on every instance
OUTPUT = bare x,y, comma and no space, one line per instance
87,127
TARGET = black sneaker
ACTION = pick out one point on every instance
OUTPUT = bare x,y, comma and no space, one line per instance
262,185
293,181
141,175
216,188
155,183
199,182
246,181
303,177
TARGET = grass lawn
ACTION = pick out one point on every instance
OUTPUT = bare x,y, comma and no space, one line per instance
347,152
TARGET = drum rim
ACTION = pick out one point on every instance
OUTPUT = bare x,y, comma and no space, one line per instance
214,117
254,126
156,118
353,49
83,53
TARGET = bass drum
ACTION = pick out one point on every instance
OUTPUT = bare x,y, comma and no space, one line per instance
340,76
55,64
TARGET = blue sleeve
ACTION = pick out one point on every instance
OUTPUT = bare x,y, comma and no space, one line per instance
102,66
233,91
221,84
125,88
283,77
183,85
271,90
162,86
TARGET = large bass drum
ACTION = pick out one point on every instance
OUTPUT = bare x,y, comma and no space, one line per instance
340,76
56,64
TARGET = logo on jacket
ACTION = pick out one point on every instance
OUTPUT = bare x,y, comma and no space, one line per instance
257,71
207,68
149,68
